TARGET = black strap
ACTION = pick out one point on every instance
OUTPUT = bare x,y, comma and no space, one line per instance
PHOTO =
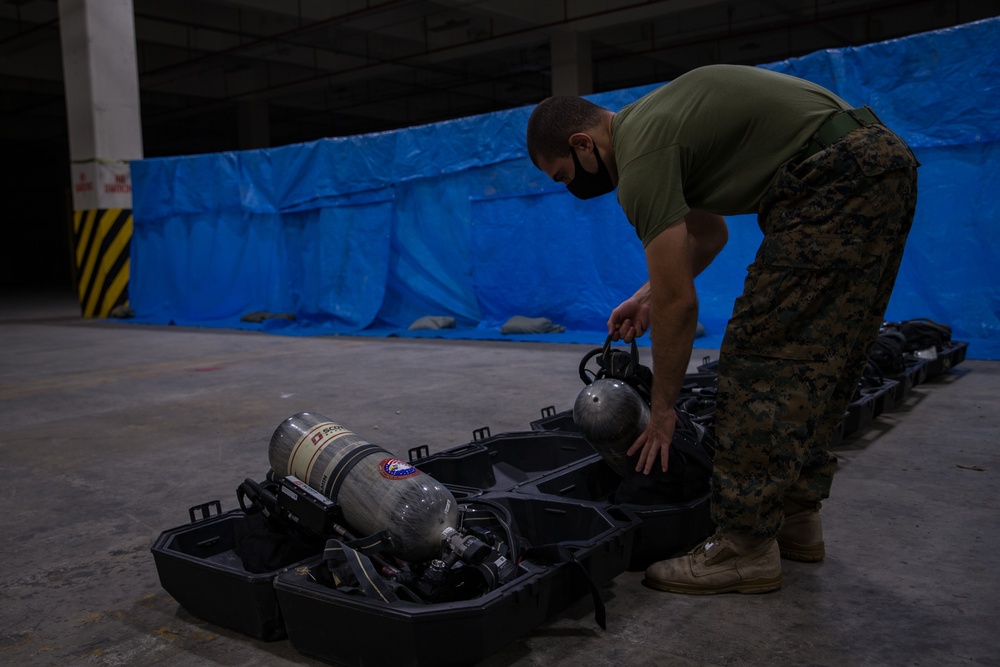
352,569
872,376
344,466
562,553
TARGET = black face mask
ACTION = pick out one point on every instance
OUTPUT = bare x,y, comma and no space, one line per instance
586,185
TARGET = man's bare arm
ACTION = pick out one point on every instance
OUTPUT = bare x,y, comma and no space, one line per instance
673,258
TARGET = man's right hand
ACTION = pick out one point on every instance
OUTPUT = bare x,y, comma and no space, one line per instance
630,320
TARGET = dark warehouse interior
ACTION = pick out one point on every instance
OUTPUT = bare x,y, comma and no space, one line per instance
211,73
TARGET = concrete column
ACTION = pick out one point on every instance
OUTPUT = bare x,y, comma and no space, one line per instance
105,135
572,71
102,100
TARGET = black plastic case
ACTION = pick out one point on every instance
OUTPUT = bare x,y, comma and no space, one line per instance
952,353
199,566
554,485
884,396
554,421
860,414
346,629
914,375
562,464
663,530
503,462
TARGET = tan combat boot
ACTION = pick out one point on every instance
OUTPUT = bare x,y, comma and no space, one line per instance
801,536
721,564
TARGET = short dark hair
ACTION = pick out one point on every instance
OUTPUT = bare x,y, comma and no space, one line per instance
554,120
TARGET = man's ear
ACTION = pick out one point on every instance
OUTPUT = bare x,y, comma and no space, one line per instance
582,141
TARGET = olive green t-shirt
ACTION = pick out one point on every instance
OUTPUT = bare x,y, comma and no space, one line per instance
712,139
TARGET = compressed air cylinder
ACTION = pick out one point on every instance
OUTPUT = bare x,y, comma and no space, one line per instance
375,490
611,415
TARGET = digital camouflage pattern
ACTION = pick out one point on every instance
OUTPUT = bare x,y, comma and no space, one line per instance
834,225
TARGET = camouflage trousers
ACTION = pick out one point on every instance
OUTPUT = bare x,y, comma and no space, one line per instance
834,225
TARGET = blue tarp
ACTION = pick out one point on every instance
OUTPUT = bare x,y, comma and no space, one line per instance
363,235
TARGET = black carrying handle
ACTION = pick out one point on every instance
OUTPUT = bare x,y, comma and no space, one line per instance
605,361
259,498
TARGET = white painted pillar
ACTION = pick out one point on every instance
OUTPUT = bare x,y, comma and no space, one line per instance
102,100
105,135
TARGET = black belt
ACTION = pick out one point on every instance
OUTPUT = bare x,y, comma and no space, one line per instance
838,126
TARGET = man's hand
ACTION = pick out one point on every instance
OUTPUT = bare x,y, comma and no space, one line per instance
655,441
630,320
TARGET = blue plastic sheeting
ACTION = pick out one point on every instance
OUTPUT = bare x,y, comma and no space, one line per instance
300,262
363,235
522,265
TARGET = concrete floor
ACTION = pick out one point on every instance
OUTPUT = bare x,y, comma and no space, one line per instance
111,431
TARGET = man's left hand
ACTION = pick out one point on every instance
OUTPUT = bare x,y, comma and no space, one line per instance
655,441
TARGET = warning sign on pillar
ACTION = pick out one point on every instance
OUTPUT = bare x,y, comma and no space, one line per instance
101,185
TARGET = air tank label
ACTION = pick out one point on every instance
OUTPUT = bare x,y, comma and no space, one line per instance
309,446
396,469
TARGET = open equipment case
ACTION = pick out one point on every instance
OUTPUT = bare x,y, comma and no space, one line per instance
550,488
546,490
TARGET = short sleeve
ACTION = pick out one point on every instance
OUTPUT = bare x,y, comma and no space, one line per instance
651,193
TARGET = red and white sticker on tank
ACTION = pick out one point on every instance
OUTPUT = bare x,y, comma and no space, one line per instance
396,469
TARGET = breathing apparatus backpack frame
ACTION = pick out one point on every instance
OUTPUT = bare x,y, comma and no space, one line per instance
300,520
689,468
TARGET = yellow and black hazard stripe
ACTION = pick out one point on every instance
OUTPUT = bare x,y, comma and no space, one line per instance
102,240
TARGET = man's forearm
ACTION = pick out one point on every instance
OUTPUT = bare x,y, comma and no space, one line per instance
642,294
673,306
672,332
